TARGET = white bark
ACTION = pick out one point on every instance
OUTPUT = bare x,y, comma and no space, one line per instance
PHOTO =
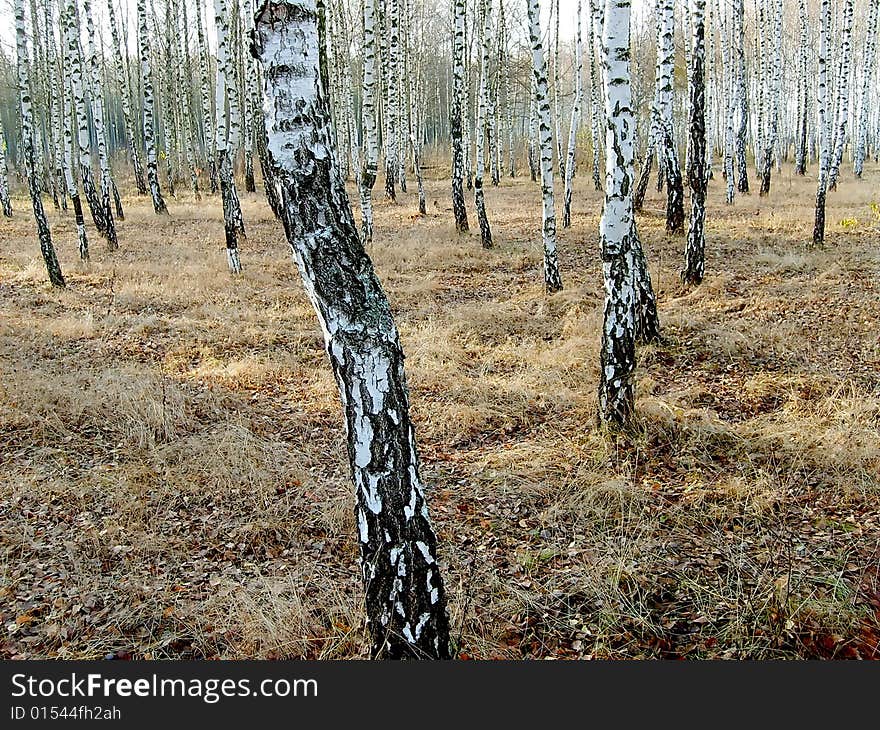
552,278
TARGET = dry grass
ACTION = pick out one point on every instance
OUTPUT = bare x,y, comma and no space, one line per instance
174,484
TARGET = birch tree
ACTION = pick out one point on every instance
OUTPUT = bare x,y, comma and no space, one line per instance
552,277
740,97
775,78
122,84
841,115
456,115
25,107
405,599
574,123
149,113
232,219
596,10
369,123
824,122
5,201
694,265
666,121
80,117
617,228
484,17
869,61
800,165
97,99
391,62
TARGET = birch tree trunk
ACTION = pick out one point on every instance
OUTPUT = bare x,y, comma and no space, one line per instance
125,97
552,278
232,219
824,122
370,127
574,124
617,228
772,142
596,10
868,65
405,600
843,86
207,106
800,166
149,119
80,117
5,201
740,98
484,19
97,99
391,98
694,265
25,106
455,125
666,126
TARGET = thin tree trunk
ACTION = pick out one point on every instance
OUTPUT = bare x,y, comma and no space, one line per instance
484,20
80,117
149,119
666,121
552,277
741,100
405,600
27,142
694,265
368,112
97,98
843,85
574,124
232,219
458,92
824,122
5,201
868,65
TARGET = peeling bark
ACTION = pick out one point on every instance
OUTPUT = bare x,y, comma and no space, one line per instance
405,599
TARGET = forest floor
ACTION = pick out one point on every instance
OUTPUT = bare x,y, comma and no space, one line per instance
173,482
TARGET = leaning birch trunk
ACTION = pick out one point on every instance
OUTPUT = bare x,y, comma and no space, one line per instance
149,117
370,126
232,219
5,201
842,106
666,122
824,122
574,124
80,117
25,107
617,228
552,278
694,264
405,600
484,20
867,71
456,116
97,98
